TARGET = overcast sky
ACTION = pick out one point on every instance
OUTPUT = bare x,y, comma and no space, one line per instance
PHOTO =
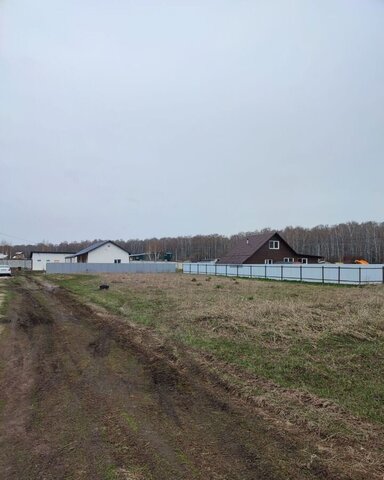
132,119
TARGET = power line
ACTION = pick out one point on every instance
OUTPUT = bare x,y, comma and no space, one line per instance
17,238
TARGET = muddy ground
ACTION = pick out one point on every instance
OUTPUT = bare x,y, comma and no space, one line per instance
86,396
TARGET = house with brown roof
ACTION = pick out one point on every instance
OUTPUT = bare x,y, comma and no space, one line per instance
266,248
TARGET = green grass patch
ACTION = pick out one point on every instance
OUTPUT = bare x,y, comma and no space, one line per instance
7,295
110,473
249,325
2,405
141,309
130,421
345,369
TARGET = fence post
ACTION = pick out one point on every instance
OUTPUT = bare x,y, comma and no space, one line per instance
301,273
322,273
338,274
383,274
226,270
237,270
282,274
206,268
265,271
215,269
198,270
250,271
359,275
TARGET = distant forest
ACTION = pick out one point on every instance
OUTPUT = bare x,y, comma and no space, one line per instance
342,242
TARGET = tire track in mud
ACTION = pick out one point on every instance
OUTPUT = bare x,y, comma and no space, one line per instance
85,399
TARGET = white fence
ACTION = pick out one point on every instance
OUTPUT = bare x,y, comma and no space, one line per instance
131,267
320,273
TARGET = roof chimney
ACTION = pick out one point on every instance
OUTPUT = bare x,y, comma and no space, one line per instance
247,241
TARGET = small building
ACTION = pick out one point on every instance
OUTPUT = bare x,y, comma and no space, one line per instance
100,252
18,256
266,248
40,259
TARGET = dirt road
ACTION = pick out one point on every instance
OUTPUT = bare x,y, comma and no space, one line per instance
86,396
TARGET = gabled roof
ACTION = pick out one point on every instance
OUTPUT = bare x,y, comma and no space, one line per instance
247,246
94,246
49,253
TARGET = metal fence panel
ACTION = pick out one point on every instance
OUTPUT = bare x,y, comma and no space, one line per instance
24,264
131,267
320,273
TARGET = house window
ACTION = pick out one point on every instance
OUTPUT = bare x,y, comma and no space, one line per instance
304,260
117,260
268,261
288,260
274,244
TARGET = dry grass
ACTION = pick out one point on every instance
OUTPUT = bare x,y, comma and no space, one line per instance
327,340
308,357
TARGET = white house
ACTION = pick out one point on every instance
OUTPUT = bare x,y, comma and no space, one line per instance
40,259
100,252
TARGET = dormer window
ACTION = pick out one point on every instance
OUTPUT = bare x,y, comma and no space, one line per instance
274,244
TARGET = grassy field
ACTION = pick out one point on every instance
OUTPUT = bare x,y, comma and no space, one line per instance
5,296
326,341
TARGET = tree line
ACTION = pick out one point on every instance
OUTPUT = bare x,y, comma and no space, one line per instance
342,242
